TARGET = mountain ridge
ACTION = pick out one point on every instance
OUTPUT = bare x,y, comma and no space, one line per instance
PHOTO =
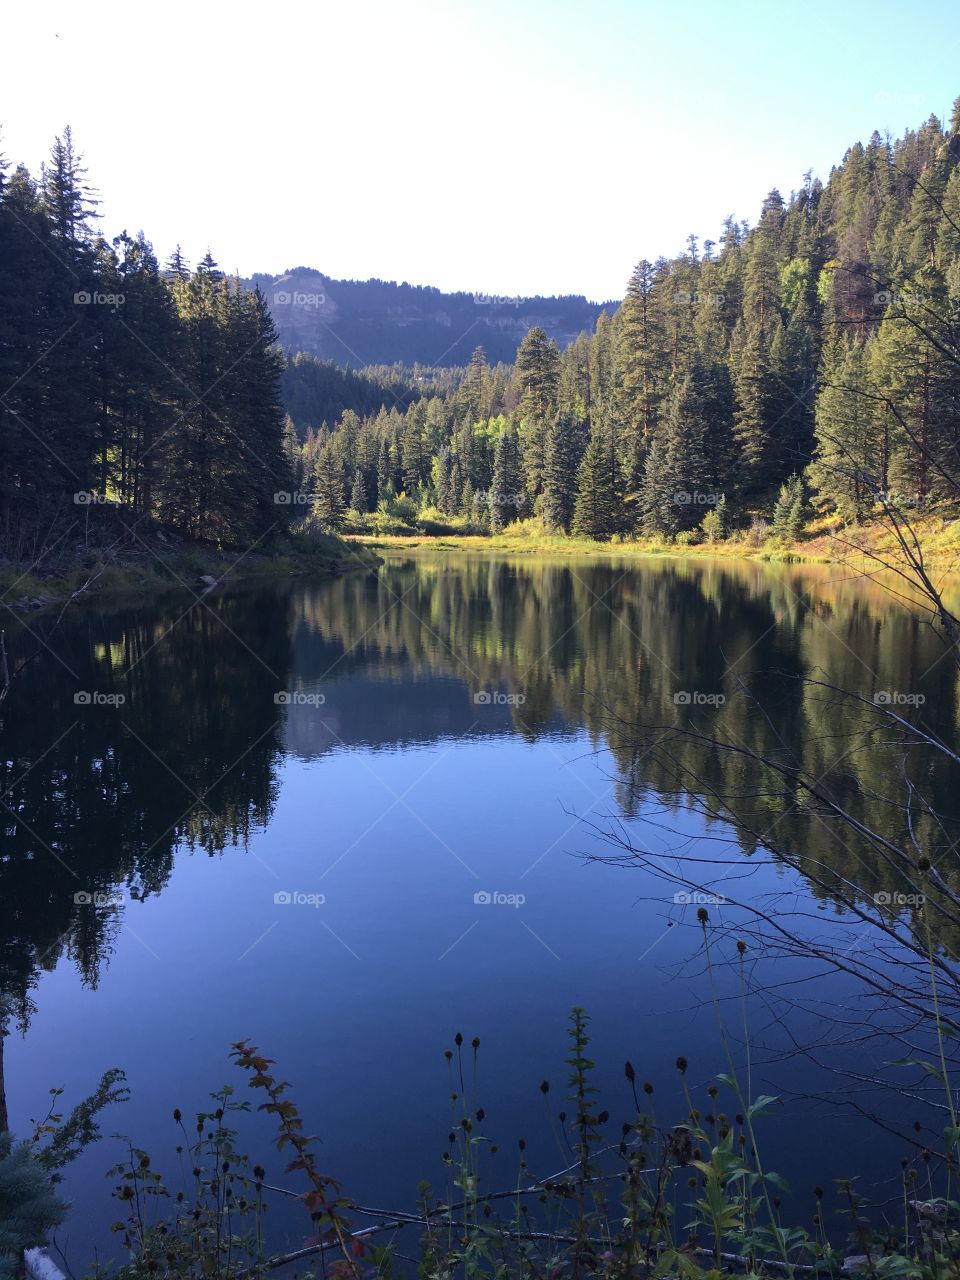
368,322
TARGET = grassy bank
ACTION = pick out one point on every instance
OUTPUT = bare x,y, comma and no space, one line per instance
824,541
160,565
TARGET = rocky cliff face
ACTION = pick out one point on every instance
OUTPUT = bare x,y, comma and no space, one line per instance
365,322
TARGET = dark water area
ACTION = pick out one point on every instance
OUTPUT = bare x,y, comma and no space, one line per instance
348,819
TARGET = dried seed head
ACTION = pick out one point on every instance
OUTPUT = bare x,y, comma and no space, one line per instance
647,1088
458,1039
682,1064
741,946
629,1072
703,915
544,1086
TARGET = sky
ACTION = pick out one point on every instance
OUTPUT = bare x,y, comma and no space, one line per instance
503,146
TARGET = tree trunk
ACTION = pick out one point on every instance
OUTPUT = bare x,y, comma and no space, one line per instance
4,1123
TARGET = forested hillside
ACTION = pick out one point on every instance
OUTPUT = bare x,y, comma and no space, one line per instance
154,389
368,322
816,353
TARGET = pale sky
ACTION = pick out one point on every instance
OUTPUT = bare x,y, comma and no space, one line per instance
504,146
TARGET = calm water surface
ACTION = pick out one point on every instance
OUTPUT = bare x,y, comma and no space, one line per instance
346,820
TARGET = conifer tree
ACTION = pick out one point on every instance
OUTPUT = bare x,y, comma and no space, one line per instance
564,450
789,511
328,504
597,509
358,493
507,482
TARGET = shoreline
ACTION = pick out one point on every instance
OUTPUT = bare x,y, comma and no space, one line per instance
191,569
820,547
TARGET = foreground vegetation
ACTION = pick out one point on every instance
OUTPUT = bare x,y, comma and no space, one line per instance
694,1199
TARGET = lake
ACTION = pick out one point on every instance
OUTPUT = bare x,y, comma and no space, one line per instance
348,819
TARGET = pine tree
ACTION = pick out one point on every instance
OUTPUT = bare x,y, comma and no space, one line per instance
691,457
446,496
413,450
597,509
564,450
384,468
358,494
507,483
789,511
852,445
328,505
640,365
538,384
